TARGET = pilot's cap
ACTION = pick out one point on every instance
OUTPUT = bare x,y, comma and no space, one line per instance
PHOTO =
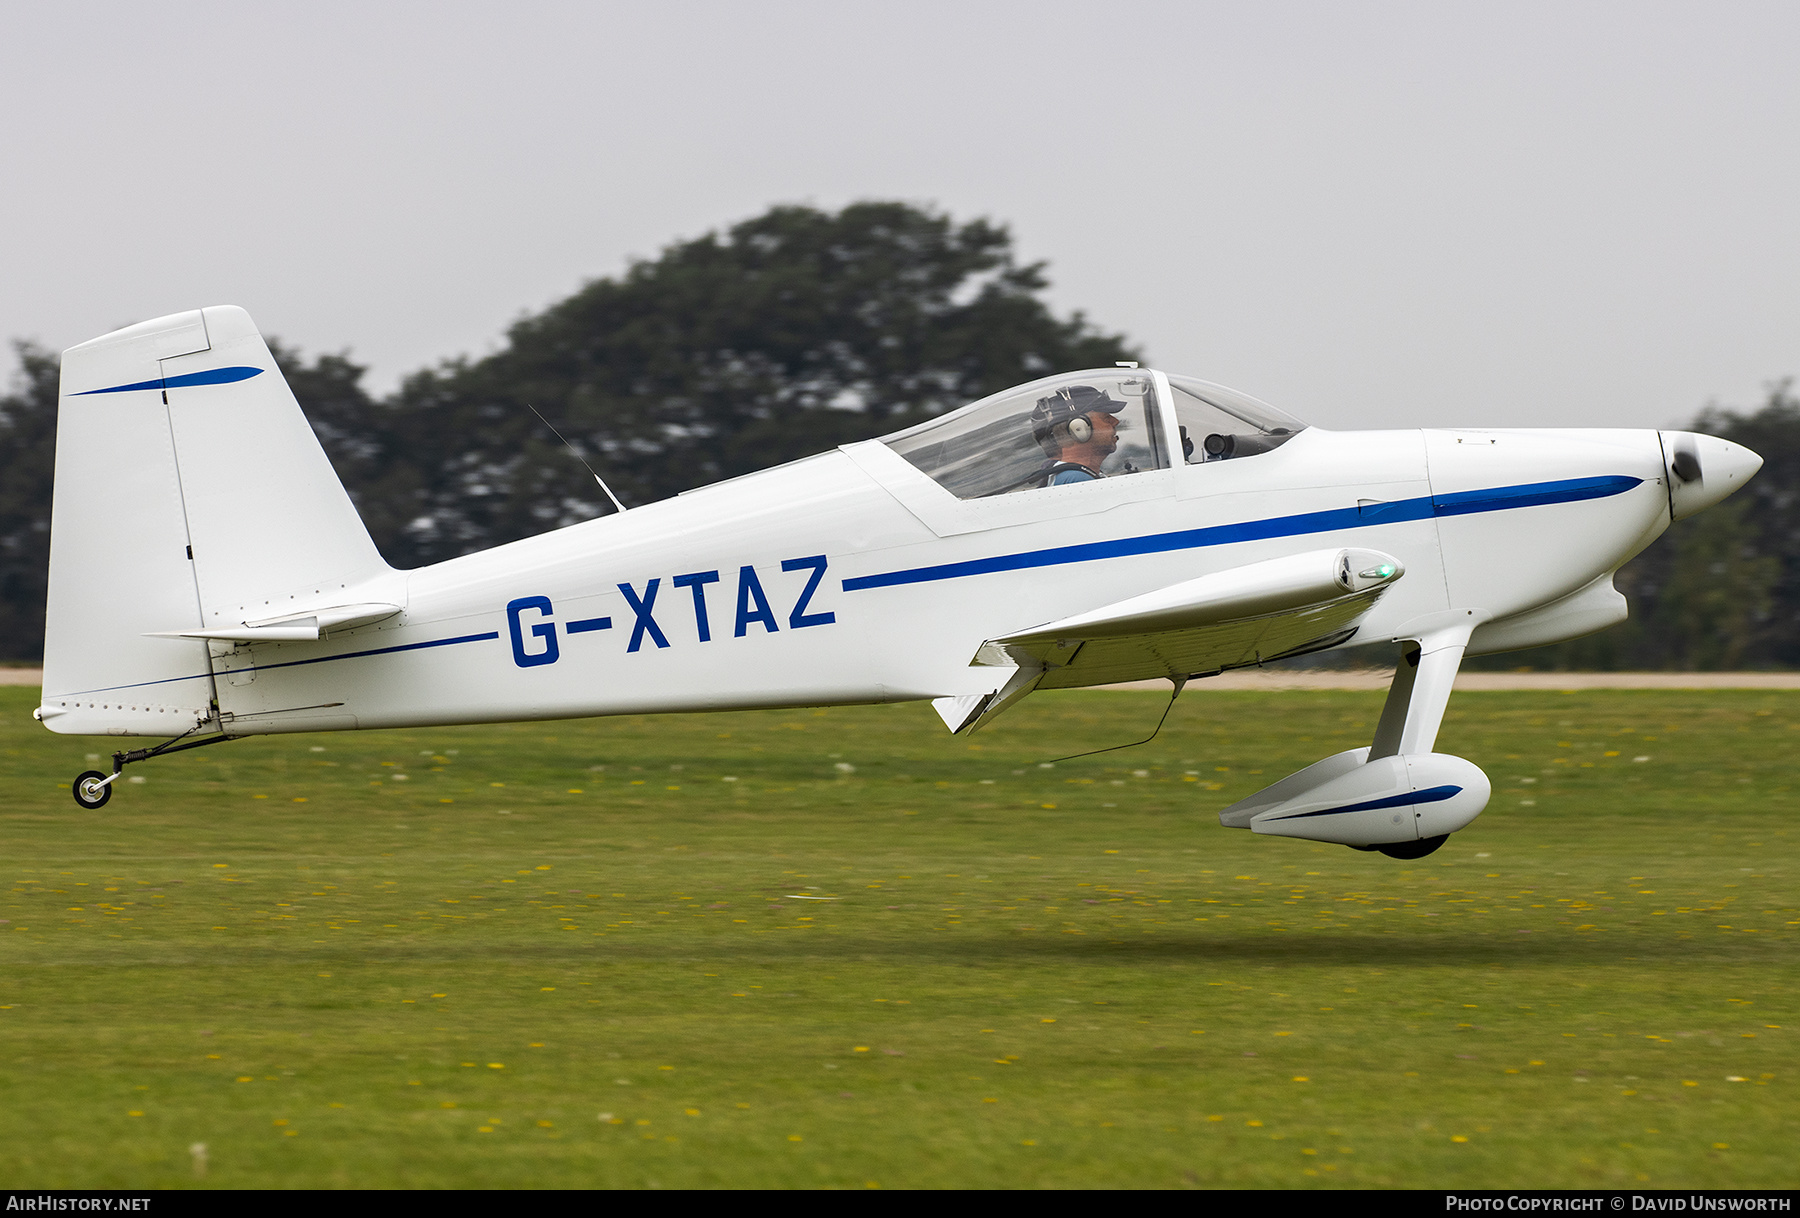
1082,398
1065,405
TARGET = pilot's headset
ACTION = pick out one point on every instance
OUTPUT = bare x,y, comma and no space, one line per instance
1062,418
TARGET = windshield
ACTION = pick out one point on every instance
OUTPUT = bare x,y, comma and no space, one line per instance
1218,424
1060,431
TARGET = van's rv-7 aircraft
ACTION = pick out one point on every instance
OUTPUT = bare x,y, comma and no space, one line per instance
210,578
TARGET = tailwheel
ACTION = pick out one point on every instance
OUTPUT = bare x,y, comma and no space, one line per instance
92,790
1414,850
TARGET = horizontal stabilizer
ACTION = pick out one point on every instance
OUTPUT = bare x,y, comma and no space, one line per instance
308,626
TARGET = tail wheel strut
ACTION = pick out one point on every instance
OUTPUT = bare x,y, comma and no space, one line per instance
92,788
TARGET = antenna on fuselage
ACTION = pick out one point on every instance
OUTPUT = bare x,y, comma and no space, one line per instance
577,455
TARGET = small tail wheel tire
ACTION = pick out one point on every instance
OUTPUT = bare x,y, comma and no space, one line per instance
88,791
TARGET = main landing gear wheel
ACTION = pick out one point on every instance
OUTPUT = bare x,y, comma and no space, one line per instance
1414,850
89,792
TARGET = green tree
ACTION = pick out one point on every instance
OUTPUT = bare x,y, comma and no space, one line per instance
27,463
1720,590
361,436
786,335
1770,514
1717,601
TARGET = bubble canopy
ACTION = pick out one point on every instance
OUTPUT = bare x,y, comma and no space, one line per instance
1216,423
1080,427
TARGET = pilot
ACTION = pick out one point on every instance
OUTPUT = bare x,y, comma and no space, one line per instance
1078,429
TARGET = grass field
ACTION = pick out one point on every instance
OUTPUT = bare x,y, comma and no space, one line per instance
843,949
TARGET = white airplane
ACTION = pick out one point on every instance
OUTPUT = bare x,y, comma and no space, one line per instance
210,579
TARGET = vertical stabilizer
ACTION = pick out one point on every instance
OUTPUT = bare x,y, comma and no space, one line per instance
190,491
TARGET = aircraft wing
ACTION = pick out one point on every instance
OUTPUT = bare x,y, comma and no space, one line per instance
1198,627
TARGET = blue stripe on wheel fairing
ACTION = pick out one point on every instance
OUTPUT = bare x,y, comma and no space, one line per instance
212,376
1460,503
1432,795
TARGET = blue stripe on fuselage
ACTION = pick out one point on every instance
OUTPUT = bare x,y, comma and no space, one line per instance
1461,503
348,655
378,651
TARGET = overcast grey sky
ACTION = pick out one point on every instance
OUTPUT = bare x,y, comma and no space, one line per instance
1371,214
